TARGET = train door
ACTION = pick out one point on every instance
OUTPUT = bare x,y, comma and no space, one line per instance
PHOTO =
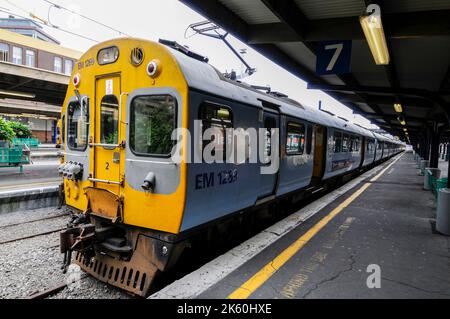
268,182
319,153
362,150
107,136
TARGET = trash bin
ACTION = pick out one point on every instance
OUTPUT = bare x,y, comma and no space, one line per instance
431,174
419,159
423,165
443,212
440,184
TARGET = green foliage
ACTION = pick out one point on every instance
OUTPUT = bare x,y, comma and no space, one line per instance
6,132
20,130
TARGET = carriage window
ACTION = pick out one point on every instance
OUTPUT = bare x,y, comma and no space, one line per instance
109,120
269,124
152,121
309,136
355,146
337,140
218,118
295,141
77,125
370,145
345,143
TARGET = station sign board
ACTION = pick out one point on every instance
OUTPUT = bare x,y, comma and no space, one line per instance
334,57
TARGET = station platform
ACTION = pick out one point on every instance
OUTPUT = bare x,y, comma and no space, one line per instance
376,240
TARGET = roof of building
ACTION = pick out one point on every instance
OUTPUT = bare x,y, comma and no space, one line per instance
26,27
418,40
39,44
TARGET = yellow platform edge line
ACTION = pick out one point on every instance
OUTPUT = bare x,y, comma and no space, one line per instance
257,280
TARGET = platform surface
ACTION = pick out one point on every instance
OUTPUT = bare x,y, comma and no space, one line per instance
386,223
39,174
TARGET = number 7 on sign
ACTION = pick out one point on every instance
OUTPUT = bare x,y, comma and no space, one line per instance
338,47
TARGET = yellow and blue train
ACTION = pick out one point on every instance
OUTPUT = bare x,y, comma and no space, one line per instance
136,209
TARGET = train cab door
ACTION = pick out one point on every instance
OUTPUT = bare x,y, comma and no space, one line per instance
107,139
268,182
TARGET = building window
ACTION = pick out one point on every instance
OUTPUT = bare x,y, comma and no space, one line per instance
4,52
68,67
17,55
30,58
295,139
152,121
57,65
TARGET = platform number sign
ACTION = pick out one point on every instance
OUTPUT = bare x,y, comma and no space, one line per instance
334,57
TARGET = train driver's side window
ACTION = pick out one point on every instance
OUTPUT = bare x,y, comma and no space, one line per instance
63,129
152,121
77,126
218,118
337,140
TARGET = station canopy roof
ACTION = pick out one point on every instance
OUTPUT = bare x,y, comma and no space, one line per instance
417,33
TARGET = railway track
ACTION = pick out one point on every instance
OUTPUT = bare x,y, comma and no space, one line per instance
32,236
34,221
52,291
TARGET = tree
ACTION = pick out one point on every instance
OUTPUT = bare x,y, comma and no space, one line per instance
6,132
20,130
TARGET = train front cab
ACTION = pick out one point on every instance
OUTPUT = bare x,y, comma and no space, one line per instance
120,112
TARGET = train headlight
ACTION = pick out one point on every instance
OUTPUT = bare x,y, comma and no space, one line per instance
154,68
108,55
76,80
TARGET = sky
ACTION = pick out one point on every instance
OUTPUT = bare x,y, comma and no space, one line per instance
167,19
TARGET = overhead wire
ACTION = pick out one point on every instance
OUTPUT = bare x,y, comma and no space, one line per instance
40,22
84,17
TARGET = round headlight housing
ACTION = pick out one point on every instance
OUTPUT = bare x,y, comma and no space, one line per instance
153,68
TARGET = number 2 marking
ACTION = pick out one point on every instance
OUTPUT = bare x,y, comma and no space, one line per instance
107,166
338,49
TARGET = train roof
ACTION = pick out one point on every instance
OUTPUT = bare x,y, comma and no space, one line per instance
199,74
203,76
